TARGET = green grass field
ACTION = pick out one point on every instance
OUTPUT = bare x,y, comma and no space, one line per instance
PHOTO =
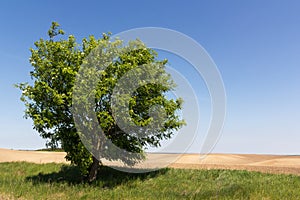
22,180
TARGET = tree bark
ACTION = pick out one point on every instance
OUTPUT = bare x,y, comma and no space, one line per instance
94,170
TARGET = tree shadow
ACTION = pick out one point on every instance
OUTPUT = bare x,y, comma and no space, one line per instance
107,177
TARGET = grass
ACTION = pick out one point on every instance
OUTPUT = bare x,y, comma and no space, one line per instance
21,180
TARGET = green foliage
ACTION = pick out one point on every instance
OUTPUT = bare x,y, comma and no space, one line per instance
56,181
48,100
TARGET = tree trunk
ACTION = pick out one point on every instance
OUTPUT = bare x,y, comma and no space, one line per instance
94,170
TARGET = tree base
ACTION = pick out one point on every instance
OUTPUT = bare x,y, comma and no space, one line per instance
94,170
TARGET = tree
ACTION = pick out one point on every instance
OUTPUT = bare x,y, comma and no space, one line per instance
49,98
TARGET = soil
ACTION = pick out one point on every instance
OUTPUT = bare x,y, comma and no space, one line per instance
285,164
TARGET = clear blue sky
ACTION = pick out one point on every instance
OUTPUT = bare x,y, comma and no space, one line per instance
255,44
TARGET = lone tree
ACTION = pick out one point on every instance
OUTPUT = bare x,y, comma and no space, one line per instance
49,98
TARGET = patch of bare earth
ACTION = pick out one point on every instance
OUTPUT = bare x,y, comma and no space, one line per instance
7,197
264,163
7,155
281,164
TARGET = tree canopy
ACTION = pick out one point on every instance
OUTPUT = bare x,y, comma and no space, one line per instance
125,115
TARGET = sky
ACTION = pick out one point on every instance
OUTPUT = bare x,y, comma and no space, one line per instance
255,45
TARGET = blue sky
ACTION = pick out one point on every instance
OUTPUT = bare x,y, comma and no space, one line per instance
255,44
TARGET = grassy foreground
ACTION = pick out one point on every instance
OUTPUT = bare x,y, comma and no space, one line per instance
22,180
